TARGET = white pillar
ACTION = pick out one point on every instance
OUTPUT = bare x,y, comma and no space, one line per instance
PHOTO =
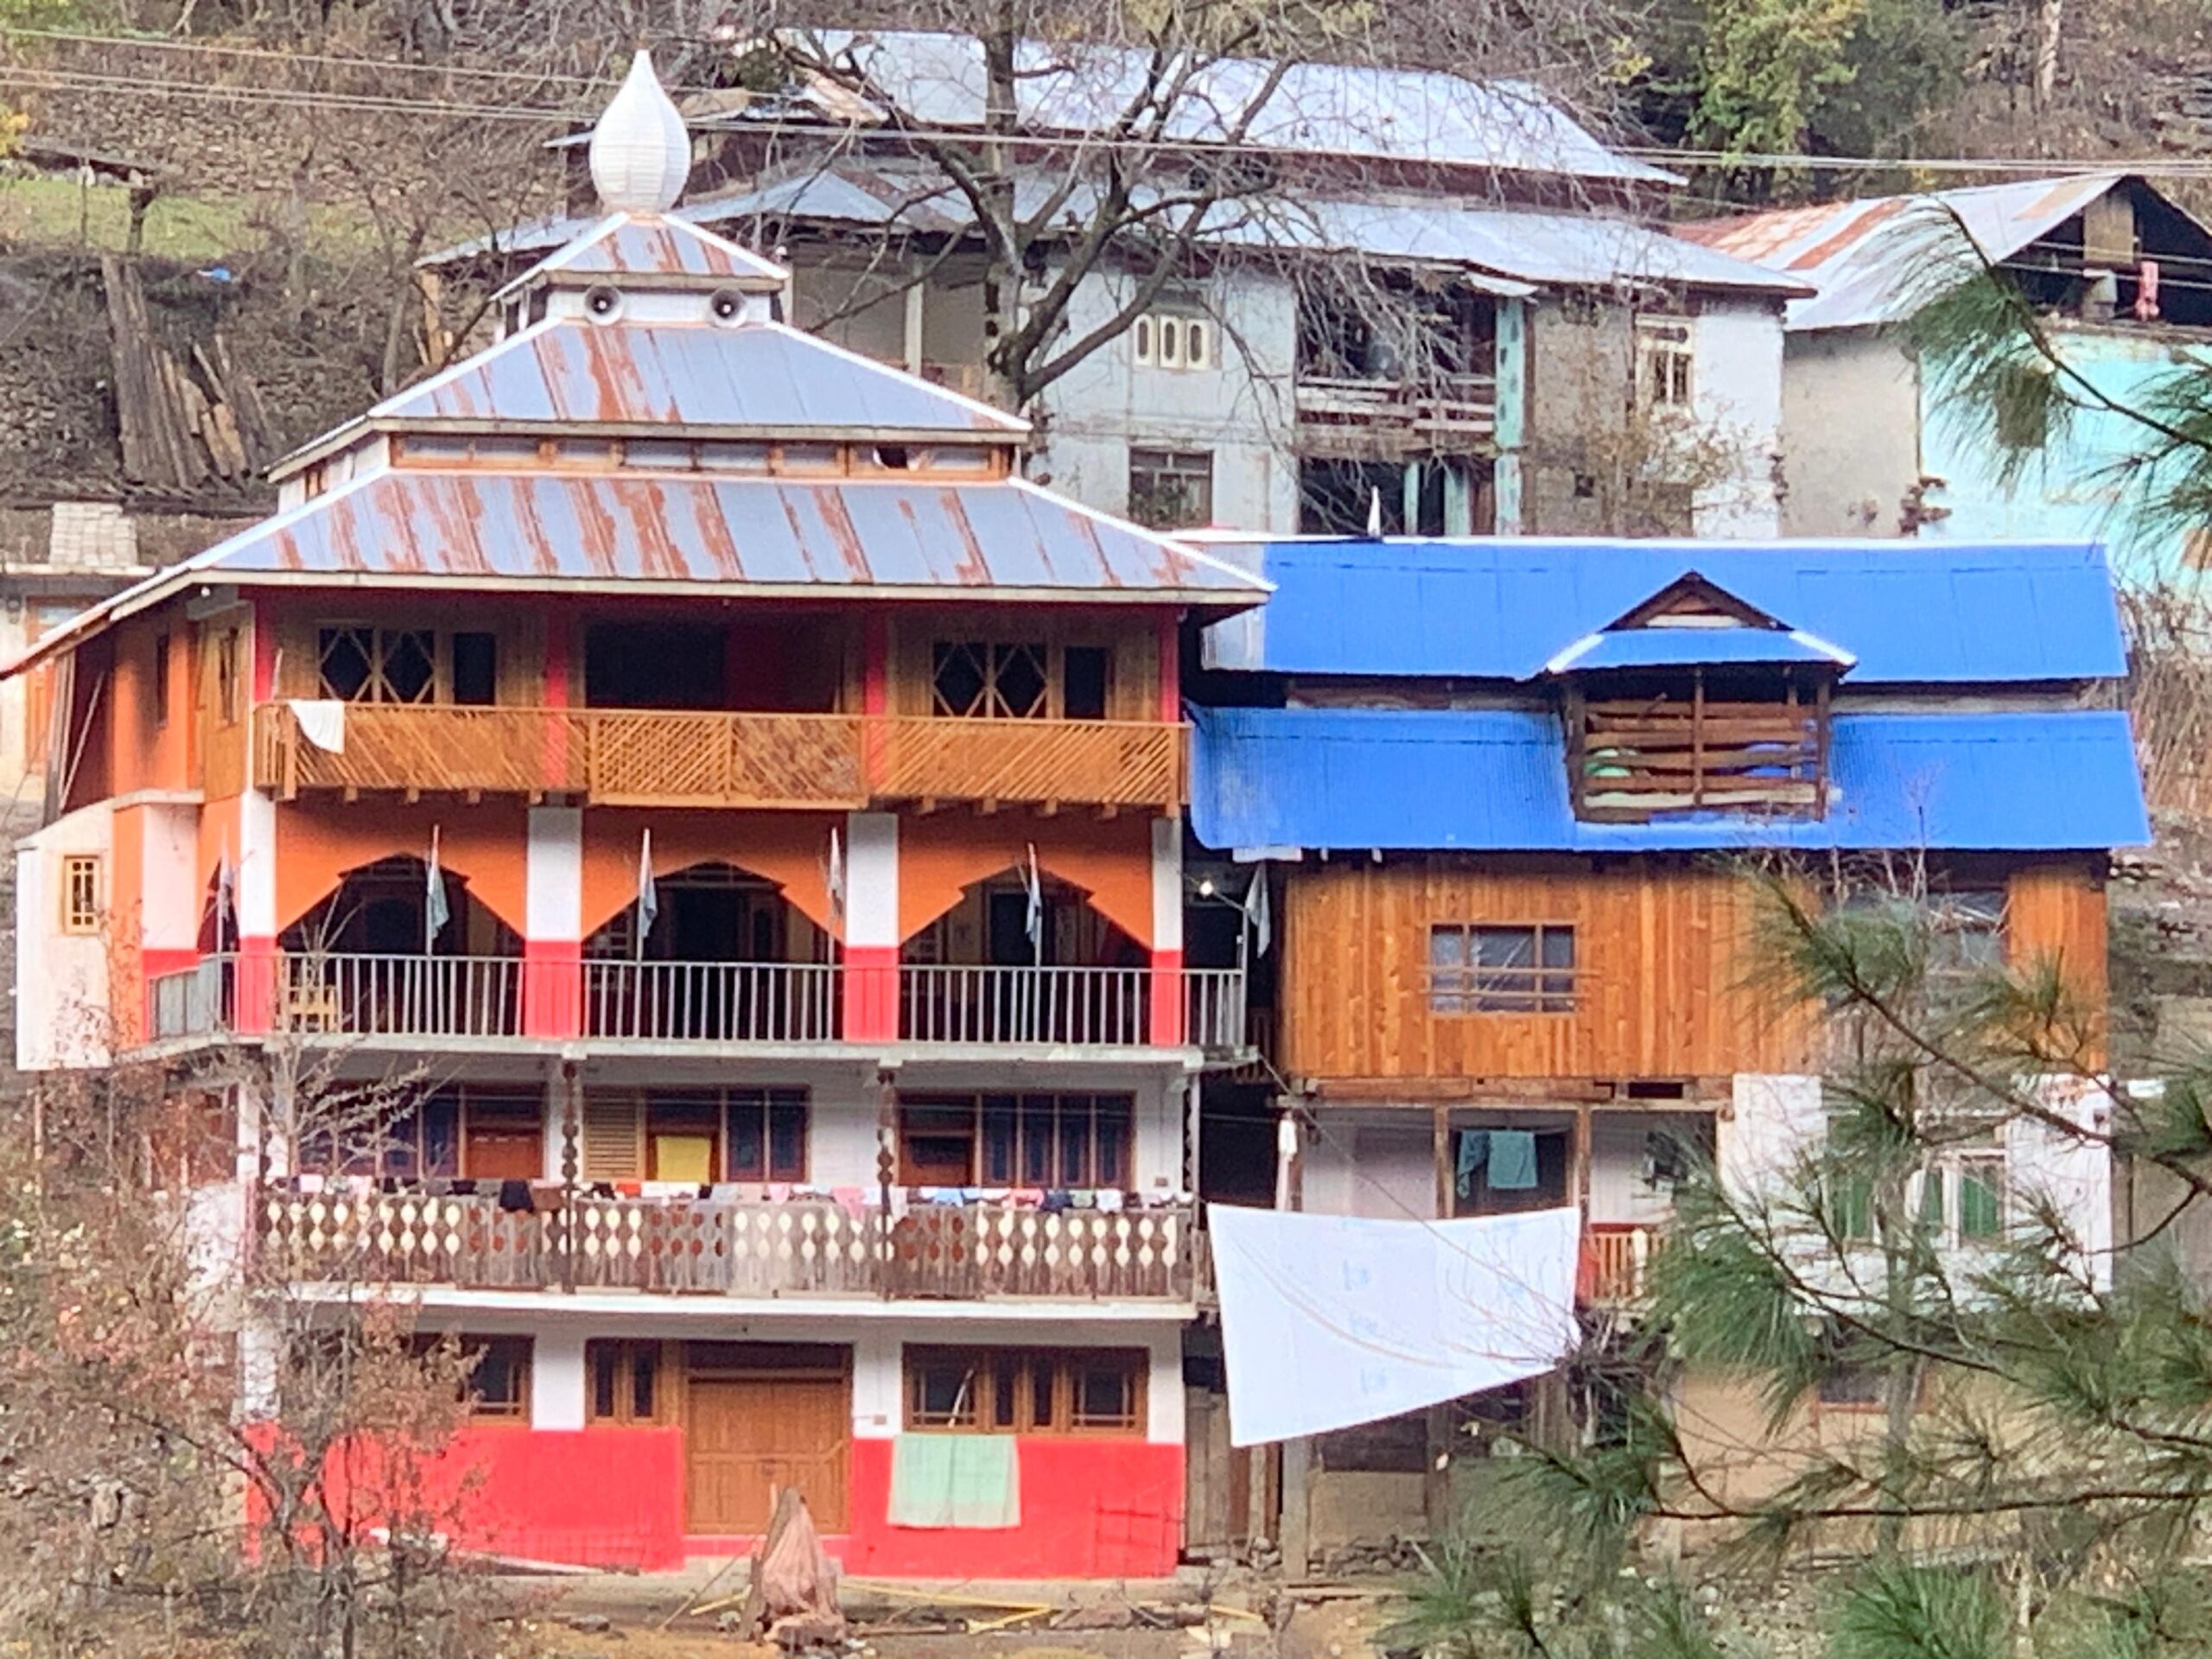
872,927
557,1381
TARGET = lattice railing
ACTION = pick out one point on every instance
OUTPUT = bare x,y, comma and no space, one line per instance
736,1248
660,758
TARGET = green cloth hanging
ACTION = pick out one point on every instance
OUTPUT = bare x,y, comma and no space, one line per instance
954,1480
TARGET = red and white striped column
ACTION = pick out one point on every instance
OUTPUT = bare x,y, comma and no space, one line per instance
553,906
254,892
871,927
1168,1004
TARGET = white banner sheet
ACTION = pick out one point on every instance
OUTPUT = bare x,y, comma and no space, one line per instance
1331,1321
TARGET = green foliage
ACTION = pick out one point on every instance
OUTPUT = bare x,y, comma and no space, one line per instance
1766,65
1896,1610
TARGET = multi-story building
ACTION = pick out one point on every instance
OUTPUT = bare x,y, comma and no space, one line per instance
1507,791
1439,299
740,819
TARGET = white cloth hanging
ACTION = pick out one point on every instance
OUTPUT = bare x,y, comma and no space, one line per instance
1331,1321
321,722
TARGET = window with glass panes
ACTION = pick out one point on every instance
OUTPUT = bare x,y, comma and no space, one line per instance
624,1379
1052,1140
497,1384
1501,970
1026,1391
356,662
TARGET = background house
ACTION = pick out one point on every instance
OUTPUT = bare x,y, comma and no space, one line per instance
2121,276
1443,294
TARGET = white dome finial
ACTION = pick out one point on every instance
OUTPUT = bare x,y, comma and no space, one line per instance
640,153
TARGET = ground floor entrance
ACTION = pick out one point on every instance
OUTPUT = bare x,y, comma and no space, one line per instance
759,1417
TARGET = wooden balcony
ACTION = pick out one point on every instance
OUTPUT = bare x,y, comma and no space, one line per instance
711,1003
651,757
740,1248
1616,1263
1465,404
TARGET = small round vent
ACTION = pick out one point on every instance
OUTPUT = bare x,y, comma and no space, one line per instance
602,303
727,305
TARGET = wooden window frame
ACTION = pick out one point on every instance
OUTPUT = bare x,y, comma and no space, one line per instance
627,1358
228,682
1470,995
83,894
997,1370
984,1107
1179,464
161,699
502,1412
1666,362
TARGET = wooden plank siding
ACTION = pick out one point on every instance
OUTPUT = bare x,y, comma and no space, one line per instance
1667,980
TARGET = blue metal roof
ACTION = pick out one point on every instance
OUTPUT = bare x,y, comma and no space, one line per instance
1495,781
1686,647
677,375
1501,609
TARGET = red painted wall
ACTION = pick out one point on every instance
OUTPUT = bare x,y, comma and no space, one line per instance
1090,1509
597,1497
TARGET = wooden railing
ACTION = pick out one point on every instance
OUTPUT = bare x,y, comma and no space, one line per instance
1454,401
714,1002
740,1248
1632,758
650,758
339,994
1616,1258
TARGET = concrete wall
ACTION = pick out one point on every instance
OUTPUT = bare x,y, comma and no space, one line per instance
1738,405
1581,367
61,979
1238,410
1850,433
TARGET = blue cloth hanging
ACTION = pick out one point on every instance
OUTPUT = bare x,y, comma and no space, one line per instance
1512,1160
1474,1147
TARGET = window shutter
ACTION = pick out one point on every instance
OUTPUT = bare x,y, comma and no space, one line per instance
610,1148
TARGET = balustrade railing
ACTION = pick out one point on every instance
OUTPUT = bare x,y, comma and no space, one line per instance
192,1001
964,1003
1213,1009
399,996
738,1249
627,757
714,1002
1616,1262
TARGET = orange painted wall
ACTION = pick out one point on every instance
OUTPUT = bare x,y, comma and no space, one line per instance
482,845
1110,860
789,848
143,754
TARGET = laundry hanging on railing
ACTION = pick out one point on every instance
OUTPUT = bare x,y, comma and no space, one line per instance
321,720
1331,1321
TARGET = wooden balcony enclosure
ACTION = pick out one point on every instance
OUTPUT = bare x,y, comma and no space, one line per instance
650,758
1616,1263
743,1249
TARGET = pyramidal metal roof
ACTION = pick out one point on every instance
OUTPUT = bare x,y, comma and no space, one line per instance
651,244
764,376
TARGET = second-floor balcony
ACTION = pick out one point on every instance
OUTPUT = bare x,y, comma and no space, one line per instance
753,1248
1442,405
667,758
709,1003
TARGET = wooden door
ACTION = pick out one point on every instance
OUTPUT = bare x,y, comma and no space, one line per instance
747,1437
504,1152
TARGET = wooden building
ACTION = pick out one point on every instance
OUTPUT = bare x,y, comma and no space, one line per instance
1517,800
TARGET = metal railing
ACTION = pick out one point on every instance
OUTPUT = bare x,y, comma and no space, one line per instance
738,1248
714,1002
962,1003
343,994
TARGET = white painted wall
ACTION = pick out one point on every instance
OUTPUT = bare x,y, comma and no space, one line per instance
61,979
1850,432
1737,386
1239,410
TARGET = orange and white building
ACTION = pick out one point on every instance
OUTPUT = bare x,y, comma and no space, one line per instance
750,814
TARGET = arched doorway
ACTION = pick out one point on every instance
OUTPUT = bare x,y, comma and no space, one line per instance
384,954
1009,963
727,958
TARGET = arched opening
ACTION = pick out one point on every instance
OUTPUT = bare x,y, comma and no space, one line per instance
385,954
722,957
1014,963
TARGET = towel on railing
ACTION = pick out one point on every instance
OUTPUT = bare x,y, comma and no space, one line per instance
321,722
954,1480
514,1197
851,1199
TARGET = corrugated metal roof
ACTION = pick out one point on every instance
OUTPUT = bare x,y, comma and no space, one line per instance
655,245
1502,607
937,80
1687,648
1495,781
1515,244
760,374
1861,255
780,533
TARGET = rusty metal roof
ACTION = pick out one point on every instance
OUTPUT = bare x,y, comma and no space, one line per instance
1857,254
761,375
653,245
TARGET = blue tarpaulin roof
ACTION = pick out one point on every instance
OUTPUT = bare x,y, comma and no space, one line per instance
1502,608
1495,781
